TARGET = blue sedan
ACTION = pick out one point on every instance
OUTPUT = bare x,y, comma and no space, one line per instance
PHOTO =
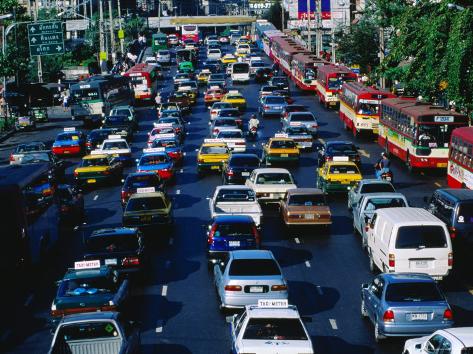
158,161
405,305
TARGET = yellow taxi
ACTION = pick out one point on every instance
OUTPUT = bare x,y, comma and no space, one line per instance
236,99
98,169
228,59
280,149
213,94
203,77
189,92
338,175
212,155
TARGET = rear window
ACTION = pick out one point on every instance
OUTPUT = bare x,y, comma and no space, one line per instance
244,161
118,243
234,229
302,118
274,178
115,145
377,188
236,195
225,122
87,330
421,236
217,150
465,213
274,329
254,267
145,204
228,134
307,200
229,113
413,292
283,144
142,181
32,147
344,169
380,203
275,100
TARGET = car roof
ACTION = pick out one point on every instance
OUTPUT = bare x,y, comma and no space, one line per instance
458,194
147,195
408,215
113,231
303,191
408,278
252,254
463,334
233,219
271,170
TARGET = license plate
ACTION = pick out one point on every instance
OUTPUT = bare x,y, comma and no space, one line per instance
309,216
256,289
277,107
111,261
91,180
214,167
284,155
388,179
234,243
421,264
418,316
245,174
442,164
66,151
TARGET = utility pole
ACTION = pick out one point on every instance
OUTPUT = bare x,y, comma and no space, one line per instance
120,24
40,67
91,11
282,15
101,35
381,54
112,31
318,35
309,35
159,16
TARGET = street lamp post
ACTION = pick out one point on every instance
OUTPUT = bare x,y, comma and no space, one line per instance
2,19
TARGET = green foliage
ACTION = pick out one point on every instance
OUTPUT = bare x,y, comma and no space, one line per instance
274,15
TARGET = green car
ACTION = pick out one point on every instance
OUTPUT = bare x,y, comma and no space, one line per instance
89,287
148,210
40,114
159,41
186,66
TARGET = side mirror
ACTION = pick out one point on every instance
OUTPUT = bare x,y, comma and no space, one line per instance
209,123
367,220
209,108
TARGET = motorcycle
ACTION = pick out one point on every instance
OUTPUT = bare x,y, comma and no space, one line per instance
386,175
253,133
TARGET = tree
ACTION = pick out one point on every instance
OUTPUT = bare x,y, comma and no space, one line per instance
274,15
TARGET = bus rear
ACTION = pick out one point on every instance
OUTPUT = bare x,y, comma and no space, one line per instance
460,159
190,32
87,102
240,72
329,83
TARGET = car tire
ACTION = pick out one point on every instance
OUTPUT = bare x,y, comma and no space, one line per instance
364,242
377,336
372,265
363,312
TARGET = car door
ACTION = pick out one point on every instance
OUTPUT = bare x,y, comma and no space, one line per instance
437,344
372,303
219,270
357,214
236,330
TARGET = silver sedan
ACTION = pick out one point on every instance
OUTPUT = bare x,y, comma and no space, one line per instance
248,276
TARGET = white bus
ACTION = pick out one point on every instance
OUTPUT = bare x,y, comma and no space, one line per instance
240,72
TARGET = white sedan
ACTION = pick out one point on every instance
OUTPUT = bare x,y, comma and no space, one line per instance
452,341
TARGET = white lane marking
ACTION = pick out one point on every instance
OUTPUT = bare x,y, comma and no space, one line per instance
76,228
196,149
319,290
167,265
254,145
29,300
296,239
159,329
181,170
333,323
171,241
364,153
96,197
188,123
184,153
178,191
307,264
187,133
164,292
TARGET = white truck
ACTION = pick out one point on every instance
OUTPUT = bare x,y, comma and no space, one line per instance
235,200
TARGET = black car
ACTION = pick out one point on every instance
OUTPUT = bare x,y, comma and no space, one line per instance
333,149
239,167
120,248
96,137
57,167
140,180
70,202
120,125
263,75
281,82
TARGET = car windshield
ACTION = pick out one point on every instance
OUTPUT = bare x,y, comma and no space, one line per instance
140,181
229,134
80,331
275,100
413,292
35,157
377,188
274,329
115,145
122,112
118,243
380,203
236,195
145,204
301,117
307,200
86,286
164,143
246,161
254,267
102,161
465,213
214,150
283,144
28,148
421,236
65,137
153,160
274,178
344,169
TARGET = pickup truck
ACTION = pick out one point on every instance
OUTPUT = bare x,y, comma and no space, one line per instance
270,184
364,209
95,332
235,200
116,147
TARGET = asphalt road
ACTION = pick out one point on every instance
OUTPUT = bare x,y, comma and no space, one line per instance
178,309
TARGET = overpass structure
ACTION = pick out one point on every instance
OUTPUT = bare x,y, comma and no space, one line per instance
202,21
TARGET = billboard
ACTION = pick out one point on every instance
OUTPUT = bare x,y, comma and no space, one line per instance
259,6
302,9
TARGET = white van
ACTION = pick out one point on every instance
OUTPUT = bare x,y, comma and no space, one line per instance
240,72
409,240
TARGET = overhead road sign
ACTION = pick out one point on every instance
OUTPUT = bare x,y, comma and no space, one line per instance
46,38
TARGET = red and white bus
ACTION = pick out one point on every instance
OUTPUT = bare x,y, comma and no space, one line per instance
283,49
330,79
304,70
190,32
417,133
360,107
144,78
268,38
460,159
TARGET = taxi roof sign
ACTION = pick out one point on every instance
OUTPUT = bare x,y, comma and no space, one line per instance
281,135
92,264
158,149
70,129
164,136
295,124
145,190
233,92
113,137
162,125
213,141
273,303
341,158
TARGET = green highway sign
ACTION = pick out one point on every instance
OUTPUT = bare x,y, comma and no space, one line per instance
46,38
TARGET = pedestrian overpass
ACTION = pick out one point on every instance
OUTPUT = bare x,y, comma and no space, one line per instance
201,21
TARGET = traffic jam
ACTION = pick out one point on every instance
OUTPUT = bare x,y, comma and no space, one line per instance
240,194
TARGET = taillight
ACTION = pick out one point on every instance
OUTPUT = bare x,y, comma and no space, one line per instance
106,172
315,126
88,144
232,288
210,237
278,288
178,130
216,131
230,173
450,259
256,235
388,316
453,232
266,107
12,158
213,112
392,260
448,315
130,261
76,173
